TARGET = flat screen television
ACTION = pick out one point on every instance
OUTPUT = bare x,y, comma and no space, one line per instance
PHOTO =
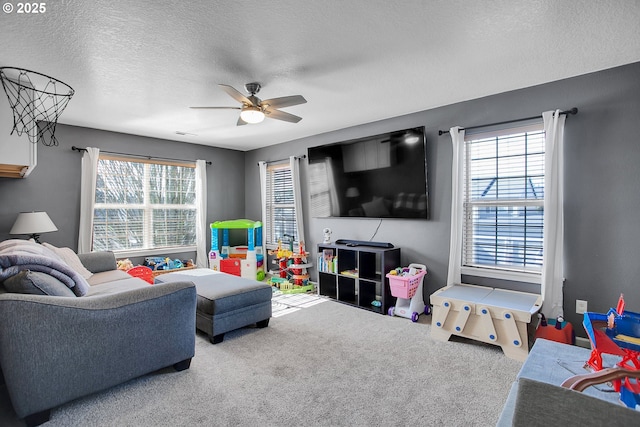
380,176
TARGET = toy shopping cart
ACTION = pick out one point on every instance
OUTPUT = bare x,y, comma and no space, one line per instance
408,291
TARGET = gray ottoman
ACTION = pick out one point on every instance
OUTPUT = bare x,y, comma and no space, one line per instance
225,302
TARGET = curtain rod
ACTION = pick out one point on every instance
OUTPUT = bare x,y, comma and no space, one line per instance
574,110
79,149
304,156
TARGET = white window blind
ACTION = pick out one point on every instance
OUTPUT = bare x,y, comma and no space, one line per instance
280,206
144,205
504,200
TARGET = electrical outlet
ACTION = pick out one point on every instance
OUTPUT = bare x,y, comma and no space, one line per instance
581,306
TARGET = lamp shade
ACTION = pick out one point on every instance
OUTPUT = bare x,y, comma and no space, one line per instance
33,223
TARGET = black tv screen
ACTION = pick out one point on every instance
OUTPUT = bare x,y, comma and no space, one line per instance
380,176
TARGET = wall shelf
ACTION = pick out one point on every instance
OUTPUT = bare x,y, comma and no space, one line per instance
19,155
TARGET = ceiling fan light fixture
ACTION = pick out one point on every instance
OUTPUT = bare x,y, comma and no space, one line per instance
252,114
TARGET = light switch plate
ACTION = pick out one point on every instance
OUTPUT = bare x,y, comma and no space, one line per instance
581,306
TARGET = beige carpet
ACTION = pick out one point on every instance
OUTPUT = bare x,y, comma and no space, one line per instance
327,364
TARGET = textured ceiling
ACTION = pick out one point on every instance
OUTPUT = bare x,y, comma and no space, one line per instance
137,66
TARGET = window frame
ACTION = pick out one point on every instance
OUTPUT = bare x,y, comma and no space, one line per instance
496,272
270,241
147,208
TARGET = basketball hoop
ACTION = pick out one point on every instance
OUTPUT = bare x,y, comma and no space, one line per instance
37,101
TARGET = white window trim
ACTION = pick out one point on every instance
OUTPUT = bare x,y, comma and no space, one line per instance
270,208
502,273
148,207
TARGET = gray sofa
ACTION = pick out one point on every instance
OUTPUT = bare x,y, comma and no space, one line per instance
537,398
54,349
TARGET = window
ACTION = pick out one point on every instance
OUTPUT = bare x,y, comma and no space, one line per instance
280,205
144,205
503,202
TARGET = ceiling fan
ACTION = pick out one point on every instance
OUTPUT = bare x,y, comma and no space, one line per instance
254,110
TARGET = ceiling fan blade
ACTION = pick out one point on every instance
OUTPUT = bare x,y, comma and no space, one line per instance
240,122
215,108
285,101
281,115
236,95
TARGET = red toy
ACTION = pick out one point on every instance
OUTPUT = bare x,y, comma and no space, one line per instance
143,272
556,330
616,333
231,266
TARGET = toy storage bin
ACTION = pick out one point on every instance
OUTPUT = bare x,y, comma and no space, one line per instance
405,286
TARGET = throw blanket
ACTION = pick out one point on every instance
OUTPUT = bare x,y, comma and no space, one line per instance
18,255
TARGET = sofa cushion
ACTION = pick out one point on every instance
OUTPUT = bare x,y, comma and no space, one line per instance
37,283
71,258
117,286
108,276
97,262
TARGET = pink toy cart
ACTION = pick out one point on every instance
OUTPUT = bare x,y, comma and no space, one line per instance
408,291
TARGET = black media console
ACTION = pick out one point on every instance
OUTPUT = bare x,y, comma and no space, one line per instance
349,242
356,275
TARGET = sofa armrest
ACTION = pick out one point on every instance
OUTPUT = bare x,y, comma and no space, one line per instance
506,416
97,262
56,349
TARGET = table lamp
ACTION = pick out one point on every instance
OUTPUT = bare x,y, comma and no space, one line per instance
33,224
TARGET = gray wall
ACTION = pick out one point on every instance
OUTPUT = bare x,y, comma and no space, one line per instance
602,196
54,184
602,201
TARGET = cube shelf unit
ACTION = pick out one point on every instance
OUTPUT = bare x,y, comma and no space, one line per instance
368,284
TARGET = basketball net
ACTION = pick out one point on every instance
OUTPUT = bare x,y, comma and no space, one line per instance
37,101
